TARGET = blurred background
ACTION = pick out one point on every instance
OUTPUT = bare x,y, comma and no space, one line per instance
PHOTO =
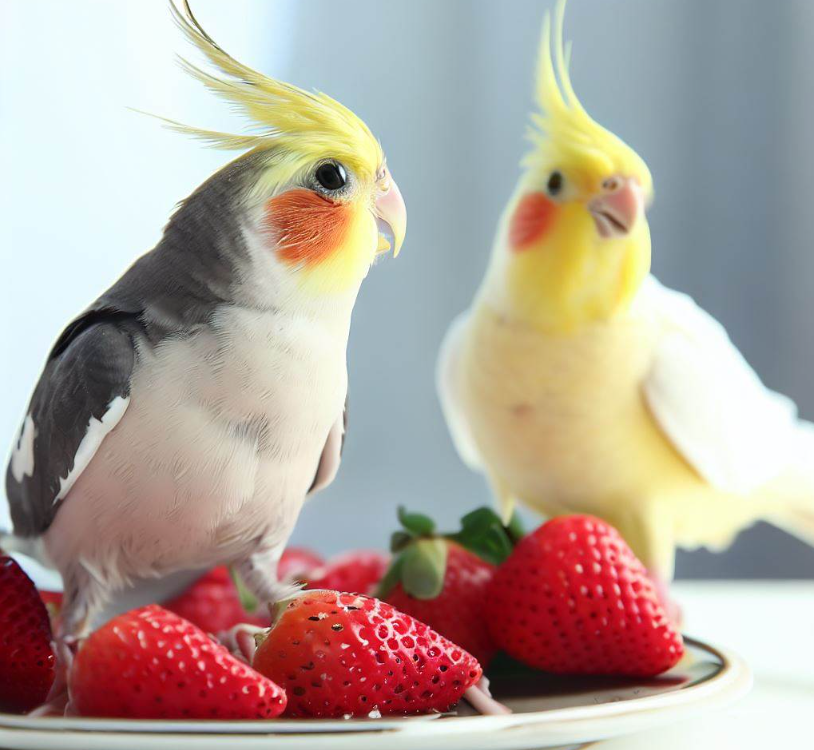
715,94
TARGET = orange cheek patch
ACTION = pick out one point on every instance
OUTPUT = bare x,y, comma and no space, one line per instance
532,218
306,226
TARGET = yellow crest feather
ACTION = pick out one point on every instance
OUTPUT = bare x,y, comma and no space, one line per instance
563,128
310,124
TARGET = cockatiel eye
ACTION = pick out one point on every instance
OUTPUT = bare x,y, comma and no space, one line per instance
555,183
331,176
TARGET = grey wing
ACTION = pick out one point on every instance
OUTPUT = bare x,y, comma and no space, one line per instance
81,395
331,454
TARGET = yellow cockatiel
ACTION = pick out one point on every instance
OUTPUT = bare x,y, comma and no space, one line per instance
578,383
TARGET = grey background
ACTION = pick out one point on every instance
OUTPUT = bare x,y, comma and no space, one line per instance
717,96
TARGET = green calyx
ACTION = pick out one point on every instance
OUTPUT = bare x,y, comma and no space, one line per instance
420,555
483,533
415,524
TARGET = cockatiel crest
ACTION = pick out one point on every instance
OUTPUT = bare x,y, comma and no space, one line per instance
563,130
302,125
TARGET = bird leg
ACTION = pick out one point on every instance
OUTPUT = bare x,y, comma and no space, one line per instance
83,599
259,574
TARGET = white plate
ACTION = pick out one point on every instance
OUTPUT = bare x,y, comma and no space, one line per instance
549,712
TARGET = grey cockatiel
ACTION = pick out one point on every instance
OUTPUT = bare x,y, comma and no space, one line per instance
182,419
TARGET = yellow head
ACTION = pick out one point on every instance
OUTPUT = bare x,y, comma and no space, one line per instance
574,244
318,178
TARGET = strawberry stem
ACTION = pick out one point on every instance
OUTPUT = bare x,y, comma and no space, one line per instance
247,600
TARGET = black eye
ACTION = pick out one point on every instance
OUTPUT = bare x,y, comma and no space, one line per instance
331,176
554,184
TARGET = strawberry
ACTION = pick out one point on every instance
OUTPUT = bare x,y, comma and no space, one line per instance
213,604
572,598
457,612
351,655
27,662
298,563
151,664
356,572
441,580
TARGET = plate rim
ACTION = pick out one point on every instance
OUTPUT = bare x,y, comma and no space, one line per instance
730,682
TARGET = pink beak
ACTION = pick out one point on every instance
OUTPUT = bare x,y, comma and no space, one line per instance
391,215
617,208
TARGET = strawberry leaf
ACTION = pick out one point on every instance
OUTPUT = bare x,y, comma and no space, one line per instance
478,522
416,524
483,533
423,567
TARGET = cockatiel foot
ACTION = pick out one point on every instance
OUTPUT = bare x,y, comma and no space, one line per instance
480,698
241,640
58,701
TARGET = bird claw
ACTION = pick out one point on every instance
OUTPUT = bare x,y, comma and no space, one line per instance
240,640
57,702
479,697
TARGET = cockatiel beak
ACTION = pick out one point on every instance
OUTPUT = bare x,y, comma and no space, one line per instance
617,207
391,215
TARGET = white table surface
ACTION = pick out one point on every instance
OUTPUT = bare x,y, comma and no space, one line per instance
771,625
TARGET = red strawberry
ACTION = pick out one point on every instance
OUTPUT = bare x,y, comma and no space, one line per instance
457,612
356,572
298,563
27,660
572,598
441,580
151,664
213,604
351,655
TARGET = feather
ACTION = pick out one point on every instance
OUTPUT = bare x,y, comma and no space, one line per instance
710,403
279,114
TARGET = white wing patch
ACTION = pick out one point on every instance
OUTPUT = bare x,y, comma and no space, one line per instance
97,431
446,383
22,457
710,403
